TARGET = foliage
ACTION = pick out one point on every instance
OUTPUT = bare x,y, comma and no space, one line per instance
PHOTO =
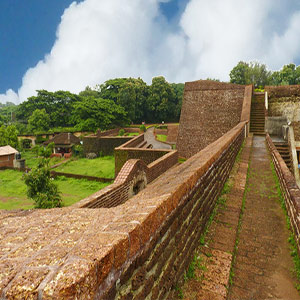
93,113
8,136
250,73
40,139
161,103
121,132
58,105
143,128
41,188
39,121
77,150
13,190
258,74
7,113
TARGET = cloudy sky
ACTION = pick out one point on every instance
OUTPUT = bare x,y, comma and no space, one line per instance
67,45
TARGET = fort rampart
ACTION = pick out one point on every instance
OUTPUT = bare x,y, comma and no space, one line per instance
209,110
289,188
137,250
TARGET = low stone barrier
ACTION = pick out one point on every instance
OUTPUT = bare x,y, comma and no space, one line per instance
78,176
290,189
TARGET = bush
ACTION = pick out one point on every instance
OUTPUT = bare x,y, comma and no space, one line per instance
143,128
77,150
121,132
40,139
40,187
26,143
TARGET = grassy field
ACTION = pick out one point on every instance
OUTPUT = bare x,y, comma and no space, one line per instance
32,159
13,190
100,167
161,137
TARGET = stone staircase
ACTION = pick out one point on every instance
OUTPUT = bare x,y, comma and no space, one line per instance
257,116
284,150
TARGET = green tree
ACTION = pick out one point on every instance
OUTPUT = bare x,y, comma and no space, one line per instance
162,100
39,121
58,105
9,136
93,113
250,73
41,188
238,74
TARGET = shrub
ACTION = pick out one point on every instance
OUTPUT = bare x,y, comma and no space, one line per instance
41,188
77,150
26,143
143,128
40,139
121,132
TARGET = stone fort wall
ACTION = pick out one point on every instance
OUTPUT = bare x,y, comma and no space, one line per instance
290,189
137,250
209,110
284,101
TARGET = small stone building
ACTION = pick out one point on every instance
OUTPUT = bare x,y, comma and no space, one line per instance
63,142
7,156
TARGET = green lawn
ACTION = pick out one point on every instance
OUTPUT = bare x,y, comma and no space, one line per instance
161,137
13,190
100,167
32,159
131,134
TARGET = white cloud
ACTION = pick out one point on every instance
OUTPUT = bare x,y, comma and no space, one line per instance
100,40
9,96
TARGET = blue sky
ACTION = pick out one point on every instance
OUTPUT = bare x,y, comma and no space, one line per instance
55,45
28,31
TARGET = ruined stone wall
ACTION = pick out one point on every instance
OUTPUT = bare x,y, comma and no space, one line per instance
289,188
138,250
209,110
103,144
130,175
284,101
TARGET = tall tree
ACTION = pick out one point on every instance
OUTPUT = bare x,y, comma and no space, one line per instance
250,73
161,102
93,113
58,105
39,121
8,136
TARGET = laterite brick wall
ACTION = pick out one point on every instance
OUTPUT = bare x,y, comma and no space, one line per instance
137,250
284,101
103,144
128,151
291,191
209,110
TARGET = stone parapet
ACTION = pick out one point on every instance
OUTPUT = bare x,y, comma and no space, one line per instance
137,250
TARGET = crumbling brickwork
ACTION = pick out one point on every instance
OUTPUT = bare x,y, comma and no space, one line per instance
284,101
209,110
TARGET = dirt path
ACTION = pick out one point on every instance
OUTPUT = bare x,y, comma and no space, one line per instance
263,261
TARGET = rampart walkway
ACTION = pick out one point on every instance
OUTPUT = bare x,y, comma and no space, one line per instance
262,264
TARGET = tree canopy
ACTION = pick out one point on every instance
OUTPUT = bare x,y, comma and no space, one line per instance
259,75
8,136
